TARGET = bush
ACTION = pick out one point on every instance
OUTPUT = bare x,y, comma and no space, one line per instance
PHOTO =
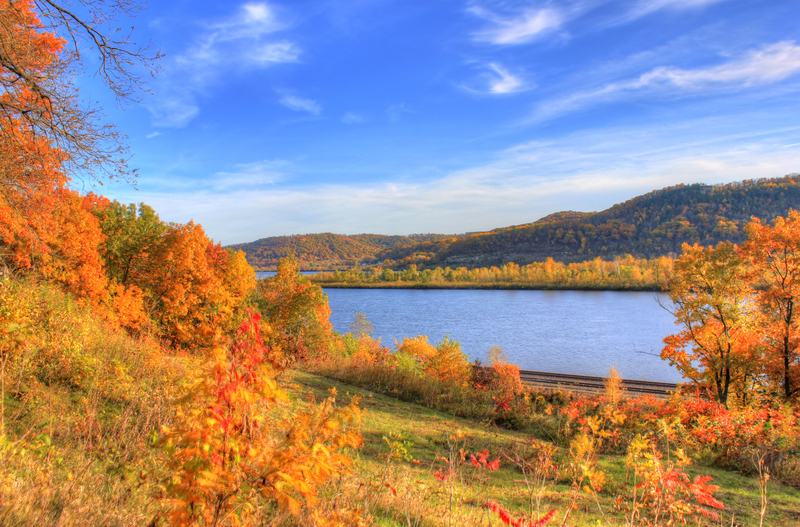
448,364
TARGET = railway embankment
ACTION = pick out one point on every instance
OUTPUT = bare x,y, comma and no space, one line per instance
589,384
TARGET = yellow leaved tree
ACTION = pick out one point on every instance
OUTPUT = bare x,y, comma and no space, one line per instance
297,312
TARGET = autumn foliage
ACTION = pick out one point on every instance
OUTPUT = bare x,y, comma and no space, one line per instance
773,257
296,310
30,167
225,464
736,308
709,290
156,353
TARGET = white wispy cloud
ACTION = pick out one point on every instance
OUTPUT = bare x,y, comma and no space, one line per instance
769,64
174,109
250,175
152,135
274,52
505,82
587,171
645,7
519,29
527,24
242,42
496,79
299,104
246,39
353,118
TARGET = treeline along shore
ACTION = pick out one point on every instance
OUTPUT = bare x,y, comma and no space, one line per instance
620,274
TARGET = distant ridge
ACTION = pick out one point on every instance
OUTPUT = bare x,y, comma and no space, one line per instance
327,250
564,215
647,226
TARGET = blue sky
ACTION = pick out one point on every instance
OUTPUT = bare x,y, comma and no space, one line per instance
405,116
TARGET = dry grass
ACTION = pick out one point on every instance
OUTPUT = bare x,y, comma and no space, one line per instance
81,402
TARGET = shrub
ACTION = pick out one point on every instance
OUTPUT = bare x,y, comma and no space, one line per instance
506,381
449,364
413,353
225,462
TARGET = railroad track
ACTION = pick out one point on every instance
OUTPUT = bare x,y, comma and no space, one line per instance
587,384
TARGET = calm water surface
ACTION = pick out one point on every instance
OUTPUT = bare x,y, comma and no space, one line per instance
577,332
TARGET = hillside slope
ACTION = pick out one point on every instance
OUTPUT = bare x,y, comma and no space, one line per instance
326,249
647,226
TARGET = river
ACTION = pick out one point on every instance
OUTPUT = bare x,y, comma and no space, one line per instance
578,332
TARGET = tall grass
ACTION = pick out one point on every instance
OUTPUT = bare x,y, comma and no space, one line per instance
488,397
408,385
81,399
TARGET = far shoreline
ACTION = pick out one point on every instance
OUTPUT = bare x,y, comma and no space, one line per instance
495,287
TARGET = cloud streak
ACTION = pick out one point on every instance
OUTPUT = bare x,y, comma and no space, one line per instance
299,104
532,23
245,39
251,175
770,64
353,118
505,81
583,171
523,28
645,7
243,42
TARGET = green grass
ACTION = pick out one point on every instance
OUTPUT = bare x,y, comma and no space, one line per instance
420,438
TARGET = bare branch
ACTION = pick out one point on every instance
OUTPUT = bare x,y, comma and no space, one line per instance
36,88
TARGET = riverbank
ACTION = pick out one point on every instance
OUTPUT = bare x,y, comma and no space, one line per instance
627,274
500,286
576,332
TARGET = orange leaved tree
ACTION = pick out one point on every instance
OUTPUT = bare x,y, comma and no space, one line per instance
717,342
194,283
773,255
30,167
46,131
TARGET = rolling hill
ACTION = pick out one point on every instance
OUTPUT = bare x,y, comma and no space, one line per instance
326,250
647,226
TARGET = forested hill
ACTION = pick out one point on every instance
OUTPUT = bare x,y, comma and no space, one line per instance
327,250
651,225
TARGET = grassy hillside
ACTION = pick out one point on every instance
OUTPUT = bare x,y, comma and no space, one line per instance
407,444
81,400
85,404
